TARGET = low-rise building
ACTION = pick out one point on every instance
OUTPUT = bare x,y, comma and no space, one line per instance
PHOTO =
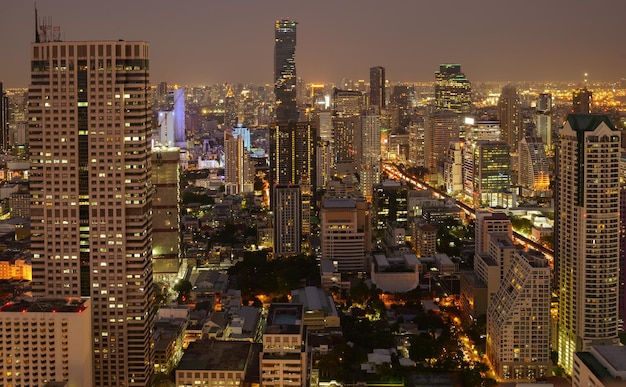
319,308
396,274
212,363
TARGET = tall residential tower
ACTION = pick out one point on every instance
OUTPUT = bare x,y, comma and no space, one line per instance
90,180
587,234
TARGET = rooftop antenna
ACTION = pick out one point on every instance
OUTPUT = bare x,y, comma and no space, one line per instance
586,79
37,38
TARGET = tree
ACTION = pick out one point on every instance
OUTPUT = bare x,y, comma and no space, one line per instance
183,287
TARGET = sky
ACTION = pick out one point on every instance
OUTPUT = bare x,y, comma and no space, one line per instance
198,42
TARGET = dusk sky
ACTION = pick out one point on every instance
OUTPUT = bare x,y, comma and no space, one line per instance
195,42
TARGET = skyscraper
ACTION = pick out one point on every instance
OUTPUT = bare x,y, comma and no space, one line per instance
90,180
492,173
509,115
377,87
587,234
370,166
581,101
441,128
534,177
543,119
285,71
453,90
287,220
4,120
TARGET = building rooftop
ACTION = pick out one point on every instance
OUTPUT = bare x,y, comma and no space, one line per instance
614,355
588,122
339,203
284,318
52,305
215,355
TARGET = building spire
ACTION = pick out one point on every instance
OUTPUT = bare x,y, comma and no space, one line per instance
37,38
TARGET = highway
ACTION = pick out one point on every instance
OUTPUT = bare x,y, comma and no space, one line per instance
395,173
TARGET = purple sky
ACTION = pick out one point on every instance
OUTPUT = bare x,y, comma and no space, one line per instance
213,41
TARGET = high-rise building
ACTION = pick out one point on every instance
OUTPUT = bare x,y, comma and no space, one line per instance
488,222
509,106
171,121
390,204
377,87
371,165
492,173
453,168
581,101
238,171
587,234
4,120
287,220
453,90
441,128
347,103
534,177
543,119
65,351
285,78
166,261
346,233
91,187
518,320
292,152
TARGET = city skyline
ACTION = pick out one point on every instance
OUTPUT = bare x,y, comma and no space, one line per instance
199,44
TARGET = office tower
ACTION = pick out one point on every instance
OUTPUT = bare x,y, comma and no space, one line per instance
441,128
324,149
377,87
453,168
453,90
371,164
400,106
238,171
47,339
581,101
283,360
91,187
389,204
587,234
161,96
509,106
285,71
287,220
166,259
230,109
473,130
543,119
346,233
518,320
347,103
492,174
4,121
534,177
